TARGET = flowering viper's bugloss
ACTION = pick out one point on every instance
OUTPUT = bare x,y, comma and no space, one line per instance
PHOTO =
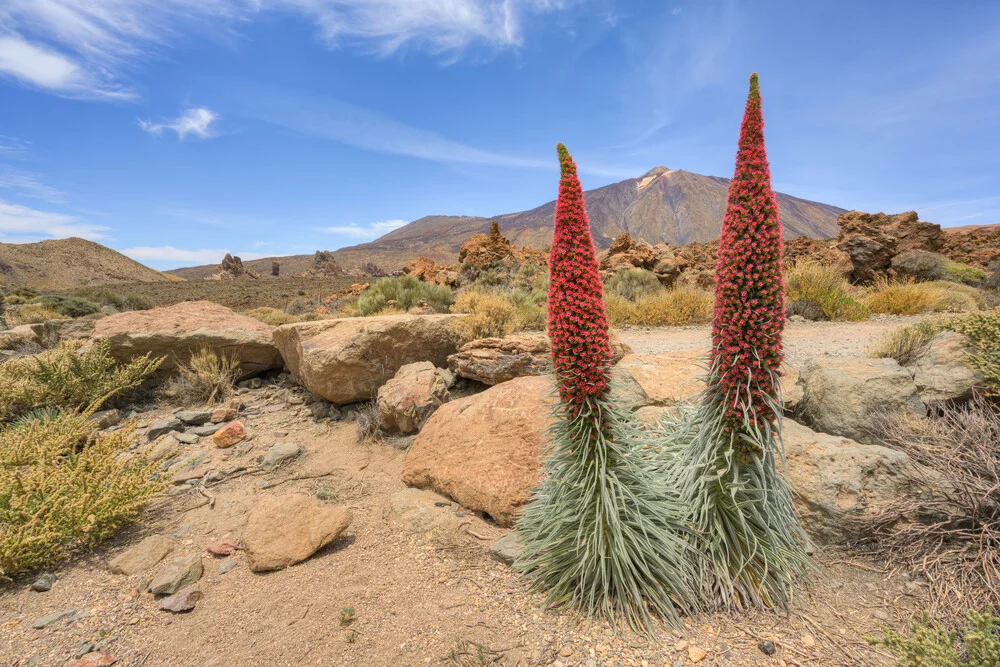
578,326
749,310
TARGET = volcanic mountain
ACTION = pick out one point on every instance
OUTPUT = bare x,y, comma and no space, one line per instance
662,205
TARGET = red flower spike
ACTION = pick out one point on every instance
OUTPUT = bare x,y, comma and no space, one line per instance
578,326
749,313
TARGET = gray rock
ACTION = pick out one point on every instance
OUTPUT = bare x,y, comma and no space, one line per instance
163,449
46,621
279,453
142,556
186,438
44,582
177,574
194,417
204,431
83,650
506,548
106,418
839,396
163,427
182,601
227,565
941,370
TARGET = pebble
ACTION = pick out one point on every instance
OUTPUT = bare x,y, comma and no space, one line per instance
279,453
206,430
181,602
186,438
95,659
766,646
46,621
227,565
44,583
163,427
177,574
696,654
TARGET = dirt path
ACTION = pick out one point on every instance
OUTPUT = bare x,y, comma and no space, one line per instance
420,598
802,339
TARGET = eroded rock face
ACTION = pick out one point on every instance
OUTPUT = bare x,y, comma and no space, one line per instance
839,396
175,332
873,239
660,379
834,479
283,530
407,400
941,371
484,451
232,268
347,360
422,268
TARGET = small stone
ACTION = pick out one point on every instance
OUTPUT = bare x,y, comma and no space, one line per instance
44,583
256,383
227,565
881,615
808,641
186,438
279,453
83,650
106,418
766,646
566,651
229,435
177,574
163,427
223,547
681,645
194,417
696,654
163,449
506,548
95,659
224,413
142,556
181,602
203,431
46,621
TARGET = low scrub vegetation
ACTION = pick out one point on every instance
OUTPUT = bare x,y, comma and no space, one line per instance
977,644
907,343
30,313
401,294
207,377
273,316
666,307
908,297
494,313
984,330
105,296
820,291
63,379
632,284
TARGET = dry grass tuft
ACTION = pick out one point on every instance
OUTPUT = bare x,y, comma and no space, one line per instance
493,313
670,307
31,313
907,343
908,297
207,377
825,288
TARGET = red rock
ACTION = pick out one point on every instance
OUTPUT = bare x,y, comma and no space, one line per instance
95,659
229,435
223,547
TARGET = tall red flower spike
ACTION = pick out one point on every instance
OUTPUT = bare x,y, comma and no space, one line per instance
749,313
578,326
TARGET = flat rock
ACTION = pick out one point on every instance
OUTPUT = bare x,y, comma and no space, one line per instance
186,438
279,453
423,512
227,565
224,413
164,449
204,431
106,418
182,601
194,417
46,621
941,371
660,379
175,332
223,547
143,556
177,574
163,427
346,360
229,435
283,530
95,659
484,451
507,548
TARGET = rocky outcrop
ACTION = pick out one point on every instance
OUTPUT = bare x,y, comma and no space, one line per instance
484,451
422,268
835,479
873,239
175,332
275,268
978,246
326,265
47,334
626,253
346,360
495,360
407,400
839,396
492,252
231,268
825,252
941,370
287,529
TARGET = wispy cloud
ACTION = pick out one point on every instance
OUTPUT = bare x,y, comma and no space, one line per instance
368,232
12,148
86,48
195,256
32,224
199,122
29,185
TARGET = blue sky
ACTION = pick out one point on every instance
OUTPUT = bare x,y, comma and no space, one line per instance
177,130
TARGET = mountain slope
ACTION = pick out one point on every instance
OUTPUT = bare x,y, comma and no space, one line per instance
69,263
661,206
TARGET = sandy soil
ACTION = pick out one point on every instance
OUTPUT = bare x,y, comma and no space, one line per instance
420,599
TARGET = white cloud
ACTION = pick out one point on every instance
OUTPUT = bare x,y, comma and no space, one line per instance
13,148
35,224
198,121
368,232
171,254
29,185
85,48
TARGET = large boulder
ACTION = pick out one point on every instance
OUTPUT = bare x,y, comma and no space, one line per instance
346,360
495,360
660,379
941,370
484,451
873,239
835,480
175,332
407,400
840,395
287,529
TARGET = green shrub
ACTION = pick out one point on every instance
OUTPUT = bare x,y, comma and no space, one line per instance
405,292
105,296
25,293
984,330
31,313
963,273
825,287
677,306
906,344
69,306
632,284
932,645
61,378
64,486
300,306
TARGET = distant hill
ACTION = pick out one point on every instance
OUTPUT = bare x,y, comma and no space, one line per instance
662,205
69,263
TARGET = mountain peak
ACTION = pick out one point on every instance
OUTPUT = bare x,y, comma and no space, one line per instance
655,171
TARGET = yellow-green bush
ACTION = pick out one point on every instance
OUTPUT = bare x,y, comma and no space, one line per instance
488,314
933,645
106,296
62,378
272,316
31,313
64,486
827,288
670,307
908,297
405,292
963,273
984,330
631,284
